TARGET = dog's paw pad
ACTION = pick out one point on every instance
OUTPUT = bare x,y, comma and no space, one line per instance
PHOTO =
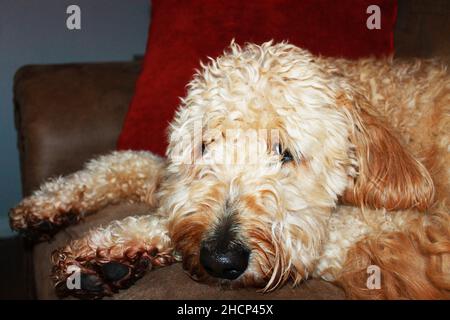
115,271
91,283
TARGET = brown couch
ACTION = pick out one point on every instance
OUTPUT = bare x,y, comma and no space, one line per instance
67,114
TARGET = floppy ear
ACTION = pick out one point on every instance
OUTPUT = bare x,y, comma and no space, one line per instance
389,176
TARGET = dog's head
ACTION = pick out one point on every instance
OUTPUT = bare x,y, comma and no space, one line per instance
265,144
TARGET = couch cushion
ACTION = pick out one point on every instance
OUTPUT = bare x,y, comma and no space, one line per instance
164,283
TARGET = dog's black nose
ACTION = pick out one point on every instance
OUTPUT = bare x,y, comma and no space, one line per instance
225,263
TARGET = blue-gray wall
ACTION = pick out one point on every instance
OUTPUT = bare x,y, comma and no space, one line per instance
34,32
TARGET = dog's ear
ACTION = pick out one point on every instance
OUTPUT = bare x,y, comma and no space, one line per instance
389,176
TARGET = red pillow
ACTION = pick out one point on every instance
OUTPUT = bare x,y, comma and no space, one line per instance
184,32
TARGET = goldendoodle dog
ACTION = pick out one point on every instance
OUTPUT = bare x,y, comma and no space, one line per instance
281,166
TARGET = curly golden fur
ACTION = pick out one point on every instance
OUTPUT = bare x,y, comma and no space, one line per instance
320,166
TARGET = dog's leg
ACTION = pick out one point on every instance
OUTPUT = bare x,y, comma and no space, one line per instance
112,258
127,175
412,263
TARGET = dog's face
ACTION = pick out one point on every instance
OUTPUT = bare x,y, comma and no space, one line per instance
258,156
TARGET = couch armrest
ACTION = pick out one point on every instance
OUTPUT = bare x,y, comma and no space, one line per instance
67,114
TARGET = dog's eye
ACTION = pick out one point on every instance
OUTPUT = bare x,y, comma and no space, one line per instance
286,156
203,148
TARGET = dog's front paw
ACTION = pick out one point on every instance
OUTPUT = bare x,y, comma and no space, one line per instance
39,220
93,277
90,278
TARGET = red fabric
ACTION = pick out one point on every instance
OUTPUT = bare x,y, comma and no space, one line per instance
184,32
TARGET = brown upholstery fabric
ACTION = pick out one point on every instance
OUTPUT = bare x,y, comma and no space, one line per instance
164,283
67,114
423,29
